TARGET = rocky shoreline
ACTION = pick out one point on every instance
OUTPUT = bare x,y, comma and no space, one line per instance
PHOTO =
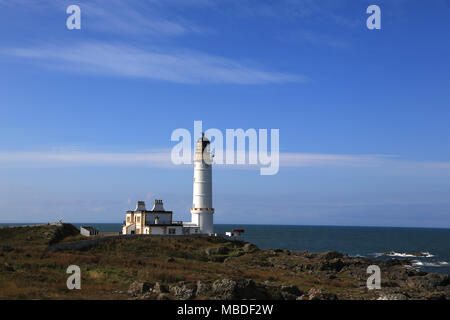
33,263
399,281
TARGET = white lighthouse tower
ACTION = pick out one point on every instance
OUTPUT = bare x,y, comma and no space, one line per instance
202,210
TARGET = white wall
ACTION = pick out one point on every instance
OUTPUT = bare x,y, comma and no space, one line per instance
157,230
178,230
202,198
202,193
128,229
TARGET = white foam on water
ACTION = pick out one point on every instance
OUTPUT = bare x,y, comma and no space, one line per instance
429,264
357,256
398,254
408,255
378,254
427,255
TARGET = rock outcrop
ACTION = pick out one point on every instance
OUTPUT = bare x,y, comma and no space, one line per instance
183,291
228,289
137,288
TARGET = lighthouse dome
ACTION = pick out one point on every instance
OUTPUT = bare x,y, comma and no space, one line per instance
202,143
203,138
202,151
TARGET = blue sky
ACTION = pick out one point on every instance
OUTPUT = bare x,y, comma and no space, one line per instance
363,115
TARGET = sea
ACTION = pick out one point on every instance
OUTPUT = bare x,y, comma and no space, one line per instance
382,243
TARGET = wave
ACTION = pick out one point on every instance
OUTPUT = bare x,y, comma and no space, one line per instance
409,255
394,254
427,255
429,264
378,254
357,256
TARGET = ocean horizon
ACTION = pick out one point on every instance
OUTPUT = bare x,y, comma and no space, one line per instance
382,243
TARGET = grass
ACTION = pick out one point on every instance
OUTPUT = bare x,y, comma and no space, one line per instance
27,272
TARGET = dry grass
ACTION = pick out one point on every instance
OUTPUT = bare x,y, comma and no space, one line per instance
27,272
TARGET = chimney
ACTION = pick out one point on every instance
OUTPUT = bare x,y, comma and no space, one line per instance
158,206
140,206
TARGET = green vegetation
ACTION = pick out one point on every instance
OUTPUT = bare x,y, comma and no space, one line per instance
27,271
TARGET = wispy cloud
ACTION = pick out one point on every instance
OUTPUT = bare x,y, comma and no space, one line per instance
167,17
115,16
310,11
162,159
134,17
158,159
182,66
315,159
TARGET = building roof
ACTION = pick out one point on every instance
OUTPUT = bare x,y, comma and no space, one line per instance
158,206
164,225
152,212
89,228
158,212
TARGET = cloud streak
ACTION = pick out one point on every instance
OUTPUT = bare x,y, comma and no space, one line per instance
182,66
67,159
119,17
162,159
134,17
315,159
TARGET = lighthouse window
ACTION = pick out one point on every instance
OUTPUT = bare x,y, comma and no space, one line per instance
138,219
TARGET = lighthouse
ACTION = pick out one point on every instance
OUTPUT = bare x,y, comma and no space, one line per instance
202,210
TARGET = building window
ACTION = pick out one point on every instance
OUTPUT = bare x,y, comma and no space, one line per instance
138,231
171,231
138,219
128,219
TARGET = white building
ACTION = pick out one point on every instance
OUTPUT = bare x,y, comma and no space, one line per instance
202,211
158,221
235,234
154,221
88,231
